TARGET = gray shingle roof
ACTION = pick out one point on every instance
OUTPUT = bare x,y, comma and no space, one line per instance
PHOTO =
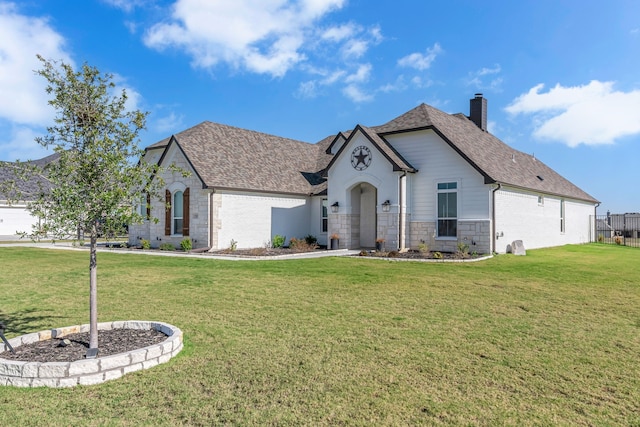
495,160
27,190
233,158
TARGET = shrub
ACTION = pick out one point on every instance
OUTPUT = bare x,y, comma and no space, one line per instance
167,247
310,239
393,254
278,241
437,255
300,245
463,249
233,245
363,253
186,244
600,238
145,244
423,248
618,240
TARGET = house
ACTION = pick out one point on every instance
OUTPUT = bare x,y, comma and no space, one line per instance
425,177
14,216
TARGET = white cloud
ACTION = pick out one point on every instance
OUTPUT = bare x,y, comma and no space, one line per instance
478,79
421,61
261,36
21,39
356,94
21,143
126,5
168,124
361,75
591,114
340,33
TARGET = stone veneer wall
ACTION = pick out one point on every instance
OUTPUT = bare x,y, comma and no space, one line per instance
469,232
87,371
340,224
387,229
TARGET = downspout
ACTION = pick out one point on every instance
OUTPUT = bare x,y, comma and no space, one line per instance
401,211
493,218
211,220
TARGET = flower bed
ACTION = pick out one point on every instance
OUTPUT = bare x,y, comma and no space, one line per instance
87,371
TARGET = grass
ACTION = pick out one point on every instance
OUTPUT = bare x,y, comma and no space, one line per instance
551,338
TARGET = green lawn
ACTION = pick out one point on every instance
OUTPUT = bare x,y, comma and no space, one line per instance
552,338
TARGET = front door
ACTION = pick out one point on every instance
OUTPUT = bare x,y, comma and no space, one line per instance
368,197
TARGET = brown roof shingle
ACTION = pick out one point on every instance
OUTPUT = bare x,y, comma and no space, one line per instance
495,160
233,158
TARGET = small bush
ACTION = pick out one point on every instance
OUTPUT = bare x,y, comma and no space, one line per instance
278,241
258,251
393,254
186,244
463,249
167,247
145,244
618,240
437,255
600,238
363,253
423,248
233,245
310,239
300,245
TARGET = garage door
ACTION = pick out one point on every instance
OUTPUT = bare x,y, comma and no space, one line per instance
14,219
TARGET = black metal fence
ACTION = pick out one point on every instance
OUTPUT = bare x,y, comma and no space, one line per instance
616,229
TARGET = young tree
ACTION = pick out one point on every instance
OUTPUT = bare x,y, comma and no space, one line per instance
97,177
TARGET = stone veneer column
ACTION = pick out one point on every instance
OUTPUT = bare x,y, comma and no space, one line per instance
215,224
387,228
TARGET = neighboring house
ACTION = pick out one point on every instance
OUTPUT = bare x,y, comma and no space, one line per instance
424,177
14,216
626,225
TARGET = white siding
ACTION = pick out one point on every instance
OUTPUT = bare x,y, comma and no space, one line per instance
437,162
343,177
252,219
315,226
519,216
15,219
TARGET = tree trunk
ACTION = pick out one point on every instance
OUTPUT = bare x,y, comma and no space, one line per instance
93,289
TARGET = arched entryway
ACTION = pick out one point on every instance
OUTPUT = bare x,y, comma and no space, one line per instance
364,198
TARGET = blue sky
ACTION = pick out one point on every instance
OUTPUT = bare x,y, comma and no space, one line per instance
561,77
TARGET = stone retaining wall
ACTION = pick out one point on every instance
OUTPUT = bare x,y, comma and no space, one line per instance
88,371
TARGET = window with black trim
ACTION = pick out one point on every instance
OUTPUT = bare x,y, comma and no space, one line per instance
324,215
447,209
177,212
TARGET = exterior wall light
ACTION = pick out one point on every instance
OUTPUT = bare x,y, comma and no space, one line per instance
334,207
386,205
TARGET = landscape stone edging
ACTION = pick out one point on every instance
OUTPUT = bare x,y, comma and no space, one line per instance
88,371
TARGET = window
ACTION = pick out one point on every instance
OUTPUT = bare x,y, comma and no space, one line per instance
145,206
176,219
142,208
177,208
562,216
447,209
324,216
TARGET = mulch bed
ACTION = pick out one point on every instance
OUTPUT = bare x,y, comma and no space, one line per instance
110,342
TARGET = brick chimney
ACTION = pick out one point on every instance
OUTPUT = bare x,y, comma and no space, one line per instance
478,111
